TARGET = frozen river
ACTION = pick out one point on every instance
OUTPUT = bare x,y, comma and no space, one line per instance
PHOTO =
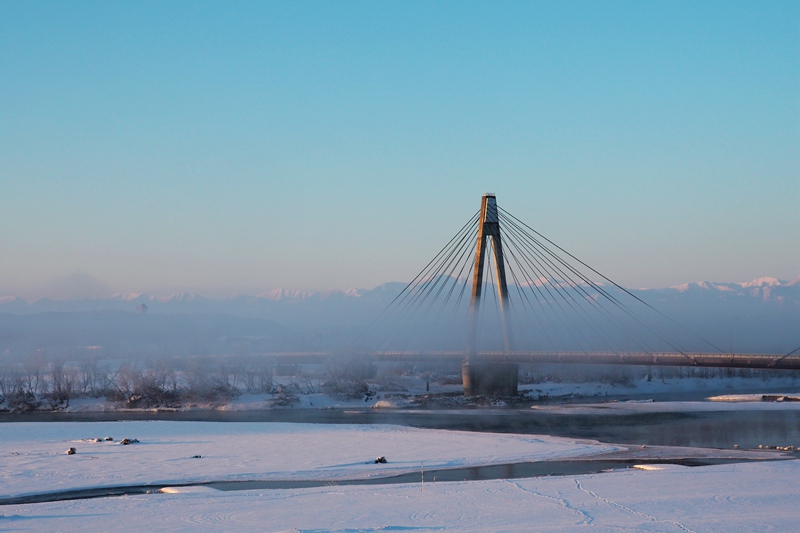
696,424
343,490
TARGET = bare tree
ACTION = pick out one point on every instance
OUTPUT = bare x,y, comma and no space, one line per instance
16,389
62,383
6,380
166,376
34,370
126,379
87,371
348,378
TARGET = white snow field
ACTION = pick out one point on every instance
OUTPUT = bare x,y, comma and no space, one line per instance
723,498
34,458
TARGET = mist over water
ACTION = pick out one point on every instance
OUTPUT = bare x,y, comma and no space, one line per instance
707,429
758,319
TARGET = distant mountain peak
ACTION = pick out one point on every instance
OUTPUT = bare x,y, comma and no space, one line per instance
127,296
178,297
284,294
762,282
683,287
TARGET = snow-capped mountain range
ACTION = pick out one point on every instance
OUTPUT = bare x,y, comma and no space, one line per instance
764,289
761,288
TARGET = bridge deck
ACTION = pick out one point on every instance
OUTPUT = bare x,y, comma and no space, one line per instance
770,361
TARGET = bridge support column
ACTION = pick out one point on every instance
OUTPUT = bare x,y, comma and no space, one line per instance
490,379
488,227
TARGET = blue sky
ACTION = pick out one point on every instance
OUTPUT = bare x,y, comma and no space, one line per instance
219,147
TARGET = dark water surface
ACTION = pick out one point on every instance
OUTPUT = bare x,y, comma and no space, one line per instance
706,429
473,473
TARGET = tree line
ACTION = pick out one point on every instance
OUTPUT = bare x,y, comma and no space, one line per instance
38,383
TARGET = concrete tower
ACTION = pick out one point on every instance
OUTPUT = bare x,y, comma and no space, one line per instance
488,378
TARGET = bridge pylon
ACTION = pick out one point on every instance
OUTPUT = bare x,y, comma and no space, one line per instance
488,378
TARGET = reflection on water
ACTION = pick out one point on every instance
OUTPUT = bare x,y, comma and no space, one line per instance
473,473
708,429
506,471
748,429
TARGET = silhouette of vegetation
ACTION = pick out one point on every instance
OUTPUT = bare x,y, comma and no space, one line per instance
173,382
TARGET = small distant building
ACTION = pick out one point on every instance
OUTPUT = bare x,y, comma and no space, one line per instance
141,309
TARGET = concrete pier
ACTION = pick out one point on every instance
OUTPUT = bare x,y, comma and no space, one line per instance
490,379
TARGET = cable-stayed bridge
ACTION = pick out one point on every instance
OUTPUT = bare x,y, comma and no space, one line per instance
500,293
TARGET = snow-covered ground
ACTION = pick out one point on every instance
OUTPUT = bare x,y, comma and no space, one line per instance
729,498
34,459
734,497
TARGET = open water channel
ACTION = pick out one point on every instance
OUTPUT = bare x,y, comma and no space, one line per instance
705,428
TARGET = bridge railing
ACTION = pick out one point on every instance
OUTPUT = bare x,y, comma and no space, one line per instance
774,361
769,361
